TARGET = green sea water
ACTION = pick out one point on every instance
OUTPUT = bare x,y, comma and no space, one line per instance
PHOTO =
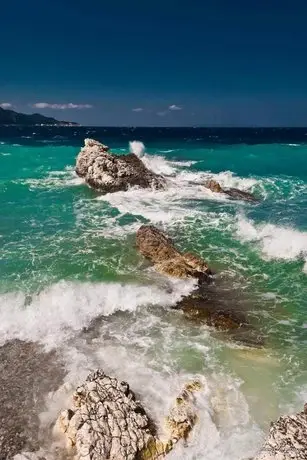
68,261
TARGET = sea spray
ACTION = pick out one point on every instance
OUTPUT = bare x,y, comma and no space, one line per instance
137,147
275,242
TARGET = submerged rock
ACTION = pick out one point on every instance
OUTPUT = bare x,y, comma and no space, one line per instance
287,439
106,422
106,172
206,305
159,249
233,193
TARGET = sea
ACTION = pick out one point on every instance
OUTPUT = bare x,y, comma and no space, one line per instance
74,286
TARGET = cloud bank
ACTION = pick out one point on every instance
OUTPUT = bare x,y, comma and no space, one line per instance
70,105
137,109
6,105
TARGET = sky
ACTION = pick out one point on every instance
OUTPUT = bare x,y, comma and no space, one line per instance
156,63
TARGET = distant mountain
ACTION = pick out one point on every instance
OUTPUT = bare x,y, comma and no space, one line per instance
9,117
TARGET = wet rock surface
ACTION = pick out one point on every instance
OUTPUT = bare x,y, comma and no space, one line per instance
156,246
206,305
215,307
287,439
27,374
107,422
233,193
107,173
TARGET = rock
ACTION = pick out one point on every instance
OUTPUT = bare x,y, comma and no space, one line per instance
206,305
287,439
233,193
108,423
182,416
106,172
197,308
27,373
237,194
159,249
203,305
214,186
210,305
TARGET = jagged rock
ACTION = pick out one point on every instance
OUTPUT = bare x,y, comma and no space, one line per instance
233,193
107,172
287,439
107,422
159,248
182,416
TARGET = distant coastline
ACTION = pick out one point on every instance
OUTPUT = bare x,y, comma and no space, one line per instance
12,118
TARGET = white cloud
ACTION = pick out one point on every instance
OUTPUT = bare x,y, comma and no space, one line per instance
174,107
70,105
137,109
6,105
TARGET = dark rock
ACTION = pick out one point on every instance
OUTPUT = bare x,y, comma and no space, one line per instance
206,305
233,193
27,374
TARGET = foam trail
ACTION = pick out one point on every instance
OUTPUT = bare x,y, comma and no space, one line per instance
275,242
54,179
57,312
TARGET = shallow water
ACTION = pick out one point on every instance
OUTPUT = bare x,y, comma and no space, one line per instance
72,280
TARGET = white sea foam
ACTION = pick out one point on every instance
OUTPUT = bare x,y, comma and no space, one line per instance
275,242
183,186
54,179
57,312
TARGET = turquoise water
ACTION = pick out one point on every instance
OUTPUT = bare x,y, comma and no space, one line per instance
68,261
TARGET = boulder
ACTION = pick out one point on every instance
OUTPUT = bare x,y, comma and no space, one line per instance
106,172
107,422
287,439
233,193
159,249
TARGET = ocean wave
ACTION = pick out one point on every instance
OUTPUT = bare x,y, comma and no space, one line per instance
61,310
275,242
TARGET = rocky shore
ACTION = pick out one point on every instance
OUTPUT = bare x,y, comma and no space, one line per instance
27,373
105,421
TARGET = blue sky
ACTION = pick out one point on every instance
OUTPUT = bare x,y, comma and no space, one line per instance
216,63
